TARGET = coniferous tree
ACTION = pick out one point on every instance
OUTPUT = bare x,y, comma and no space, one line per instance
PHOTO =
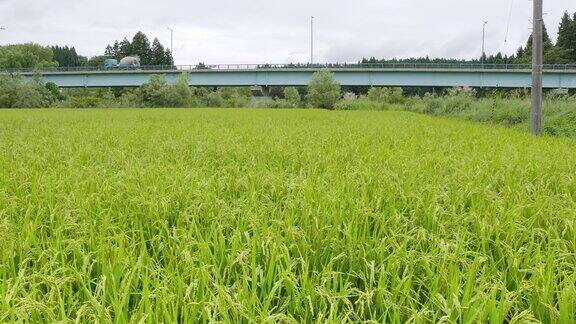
572,44
109,51
567,37
58,57
67,56
169,58
158,53
547,42
524,55
141,47
124,48
564,31
519,52
496,59
116,49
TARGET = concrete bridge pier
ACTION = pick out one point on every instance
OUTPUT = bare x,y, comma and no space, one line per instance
260,91
265,91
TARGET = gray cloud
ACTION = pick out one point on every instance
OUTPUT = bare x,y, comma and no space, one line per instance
223,31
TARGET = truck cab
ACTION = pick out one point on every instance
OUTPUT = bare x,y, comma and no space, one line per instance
110,63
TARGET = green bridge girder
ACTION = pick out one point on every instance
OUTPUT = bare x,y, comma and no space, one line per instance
405,77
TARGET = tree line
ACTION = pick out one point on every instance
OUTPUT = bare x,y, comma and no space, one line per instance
26,56
67,57
150,54
561,52
32,55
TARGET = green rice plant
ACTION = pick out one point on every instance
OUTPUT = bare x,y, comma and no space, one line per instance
254,215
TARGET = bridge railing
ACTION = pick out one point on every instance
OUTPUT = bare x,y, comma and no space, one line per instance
293,66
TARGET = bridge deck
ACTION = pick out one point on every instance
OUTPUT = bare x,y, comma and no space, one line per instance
505,76
438,70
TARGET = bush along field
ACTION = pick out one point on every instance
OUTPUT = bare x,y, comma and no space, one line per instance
512,109
237,215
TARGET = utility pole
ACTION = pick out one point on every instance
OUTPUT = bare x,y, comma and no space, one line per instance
311,40
484,42
537,53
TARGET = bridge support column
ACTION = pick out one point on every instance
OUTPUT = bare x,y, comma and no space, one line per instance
260,91
266,91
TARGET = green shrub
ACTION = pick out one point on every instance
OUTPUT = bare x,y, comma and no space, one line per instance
158,93
85,102
323,90
360,104
518,94
28,55
27,96
200,96
456,104
457,100
482,110
129,99
155,92
15,92
432,104
237,101
563,124
232,97
292,96
261,103
387,95
513,112
8,87
214,99
271,103
54,91
179,94
281,104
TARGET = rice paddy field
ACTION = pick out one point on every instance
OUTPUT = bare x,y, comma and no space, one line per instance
291,216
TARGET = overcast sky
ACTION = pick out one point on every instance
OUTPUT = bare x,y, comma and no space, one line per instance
258,31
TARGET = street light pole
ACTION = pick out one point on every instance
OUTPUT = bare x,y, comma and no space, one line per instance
537,53
483,42
311,40
171,40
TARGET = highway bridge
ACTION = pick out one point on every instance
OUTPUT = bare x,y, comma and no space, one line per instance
388,74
